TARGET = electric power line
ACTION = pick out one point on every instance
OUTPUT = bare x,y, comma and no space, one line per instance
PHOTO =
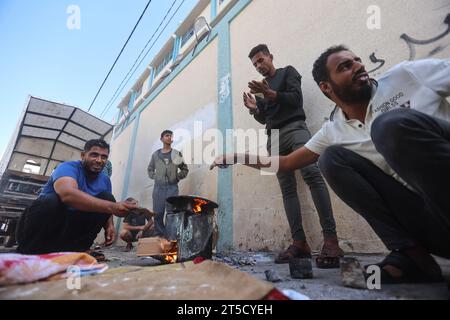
120,53
113,98
140,62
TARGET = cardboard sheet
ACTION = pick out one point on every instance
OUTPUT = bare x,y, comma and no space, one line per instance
208,280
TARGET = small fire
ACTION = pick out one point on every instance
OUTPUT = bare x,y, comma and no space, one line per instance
198,205
171,258
171,255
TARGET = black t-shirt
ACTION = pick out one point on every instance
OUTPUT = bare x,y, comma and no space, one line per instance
167,157
135,219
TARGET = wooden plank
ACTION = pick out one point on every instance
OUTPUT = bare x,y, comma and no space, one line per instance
154,247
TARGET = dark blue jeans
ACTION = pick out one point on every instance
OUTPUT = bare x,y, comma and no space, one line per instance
417,147
49,226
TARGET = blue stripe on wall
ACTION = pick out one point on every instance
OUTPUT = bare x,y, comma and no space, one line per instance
132,100
225,121
176,48
213,9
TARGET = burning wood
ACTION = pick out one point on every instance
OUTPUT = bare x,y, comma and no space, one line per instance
170,258
198,203
156,247
190,229
172,255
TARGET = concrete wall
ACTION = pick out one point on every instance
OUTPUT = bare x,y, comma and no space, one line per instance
189,97
183,102
206,13
119,159
120,150
296,37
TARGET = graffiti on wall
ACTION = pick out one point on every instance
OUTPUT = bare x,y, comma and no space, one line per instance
224,88
374,59
412,42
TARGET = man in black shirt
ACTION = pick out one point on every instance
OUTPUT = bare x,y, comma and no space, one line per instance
135,226
279,105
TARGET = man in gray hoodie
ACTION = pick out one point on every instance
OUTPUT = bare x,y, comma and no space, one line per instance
166,167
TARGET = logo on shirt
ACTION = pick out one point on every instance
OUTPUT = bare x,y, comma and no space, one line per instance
406,105
391,103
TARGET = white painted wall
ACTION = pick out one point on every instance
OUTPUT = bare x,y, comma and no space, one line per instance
296,37
297,32
190,97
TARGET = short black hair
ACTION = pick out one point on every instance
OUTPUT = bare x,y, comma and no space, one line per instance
320,72
96,143
166,132
259,48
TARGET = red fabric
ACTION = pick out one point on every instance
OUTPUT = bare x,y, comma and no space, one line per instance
275,294
198,260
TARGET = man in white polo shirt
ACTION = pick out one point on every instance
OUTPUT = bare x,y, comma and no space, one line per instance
386,153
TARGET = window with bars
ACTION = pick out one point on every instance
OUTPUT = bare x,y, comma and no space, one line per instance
165,62
188,34
139,91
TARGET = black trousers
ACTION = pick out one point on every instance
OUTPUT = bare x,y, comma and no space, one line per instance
48,225
290,138
417,147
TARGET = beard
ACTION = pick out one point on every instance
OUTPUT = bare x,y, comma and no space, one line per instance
350,95
89,168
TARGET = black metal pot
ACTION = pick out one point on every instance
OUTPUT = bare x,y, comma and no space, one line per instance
191,224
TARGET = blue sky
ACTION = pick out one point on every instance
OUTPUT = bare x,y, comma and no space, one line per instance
40,56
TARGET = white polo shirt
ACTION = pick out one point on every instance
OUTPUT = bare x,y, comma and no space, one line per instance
421,85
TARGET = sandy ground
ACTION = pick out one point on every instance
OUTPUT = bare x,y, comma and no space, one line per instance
326,284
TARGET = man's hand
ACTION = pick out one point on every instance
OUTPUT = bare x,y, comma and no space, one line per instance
262,87
139,234
110,235
121,209
250,102
223,161
70,195
150,225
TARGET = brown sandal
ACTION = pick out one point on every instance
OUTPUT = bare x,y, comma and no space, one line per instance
98,255
329,259
291,252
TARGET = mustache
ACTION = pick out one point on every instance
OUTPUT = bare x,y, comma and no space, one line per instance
360,72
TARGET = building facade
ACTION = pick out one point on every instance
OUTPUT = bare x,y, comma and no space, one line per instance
197,86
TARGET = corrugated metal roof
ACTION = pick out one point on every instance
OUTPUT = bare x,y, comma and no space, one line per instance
64,128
